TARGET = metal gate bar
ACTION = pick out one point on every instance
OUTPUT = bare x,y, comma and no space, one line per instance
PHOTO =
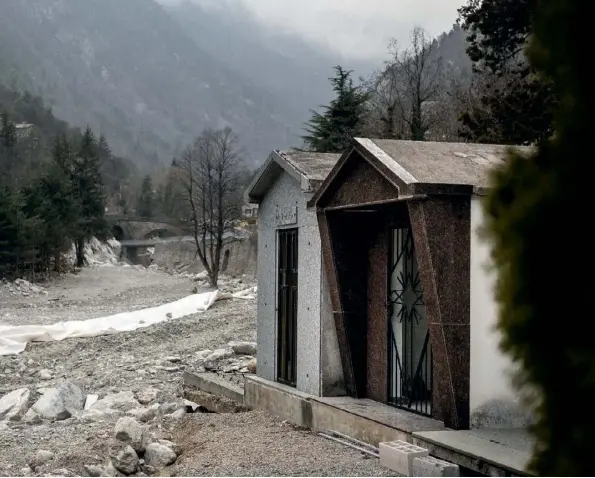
410,361
287,306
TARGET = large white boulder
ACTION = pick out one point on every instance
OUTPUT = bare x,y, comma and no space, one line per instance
14,404
60,403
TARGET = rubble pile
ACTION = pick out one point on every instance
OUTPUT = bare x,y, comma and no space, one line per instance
22,287
236,358
136,446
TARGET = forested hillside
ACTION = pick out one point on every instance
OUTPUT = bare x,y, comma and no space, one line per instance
129,70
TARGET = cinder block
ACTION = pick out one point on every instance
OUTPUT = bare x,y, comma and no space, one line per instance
430,466
399,455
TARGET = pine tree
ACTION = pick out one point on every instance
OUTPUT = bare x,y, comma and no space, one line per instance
89,191
8,132
50,198
545,328
341,120
8,154
146,200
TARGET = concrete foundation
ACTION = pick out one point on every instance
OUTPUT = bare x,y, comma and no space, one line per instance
430,466
215,385
488,452
280,400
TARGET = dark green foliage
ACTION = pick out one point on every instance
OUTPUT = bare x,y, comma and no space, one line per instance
543,291
88,188
51,199
333,130
57,201
517,105
516,110
146,200
18,234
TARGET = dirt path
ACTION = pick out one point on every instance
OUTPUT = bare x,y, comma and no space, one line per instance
250,443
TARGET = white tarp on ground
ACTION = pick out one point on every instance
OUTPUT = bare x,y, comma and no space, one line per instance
246,294
14,338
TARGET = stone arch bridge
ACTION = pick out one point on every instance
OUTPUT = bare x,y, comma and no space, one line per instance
129,228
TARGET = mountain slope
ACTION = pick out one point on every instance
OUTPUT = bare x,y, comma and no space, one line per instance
127,69
295,71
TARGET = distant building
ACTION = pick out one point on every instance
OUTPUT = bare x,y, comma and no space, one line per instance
23,130
250,211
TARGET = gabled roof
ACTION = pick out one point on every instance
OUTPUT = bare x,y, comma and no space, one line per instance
424,167
309,169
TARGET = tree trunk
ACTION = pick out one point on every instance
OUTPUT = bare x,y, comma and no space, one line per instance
80,252
213,280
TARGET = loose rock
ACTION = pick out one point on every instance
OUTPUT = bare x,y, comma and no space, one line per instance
218,354
31,417
90,401
158,455
243,348
145,414
123,401
101,470
41,458
13,405
251,366
60,403
147,395
178,414
203,354
129,431
170,407
45,374
126,460
174,446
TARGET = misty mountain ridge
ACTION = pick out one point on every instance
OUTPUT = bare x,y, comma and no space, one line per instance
151,77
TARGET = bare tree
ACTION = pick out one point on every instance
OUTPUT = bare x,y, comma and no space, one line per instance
208,175
406,95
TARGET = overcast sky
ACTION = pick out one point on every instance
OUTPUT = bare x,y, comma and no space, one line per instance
356,28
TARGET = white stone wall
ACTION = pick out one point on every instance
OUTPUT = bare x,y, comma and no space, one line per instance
493,400
312,292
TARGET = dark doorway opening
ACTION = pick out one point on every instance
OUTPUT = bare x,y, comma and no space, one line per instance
287,281
118,233
225,260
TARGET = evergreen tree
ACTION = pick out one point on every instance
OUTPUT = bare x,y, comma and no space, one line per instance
8,132
89,191
332,130
530,195
50,198
8,154
146,200
517,106
19,234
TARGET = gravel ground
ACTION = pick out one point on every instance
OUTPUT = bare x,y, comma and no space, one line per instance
251,443
256,444
94,292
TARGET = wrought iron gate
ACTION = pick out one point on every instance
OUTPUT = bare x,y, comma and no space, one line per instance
287,281
409,350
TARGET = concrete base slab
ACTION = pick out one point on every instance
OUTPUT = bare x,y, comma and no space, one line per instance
215,385
491,452
368,421
398,456
282,401
214,403
430,466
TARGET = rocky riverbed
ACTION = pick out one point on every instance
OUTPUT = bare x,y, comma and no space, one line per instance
113,405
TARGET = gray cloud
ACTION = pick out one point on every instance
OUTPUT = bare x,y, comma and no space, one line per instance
355,28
